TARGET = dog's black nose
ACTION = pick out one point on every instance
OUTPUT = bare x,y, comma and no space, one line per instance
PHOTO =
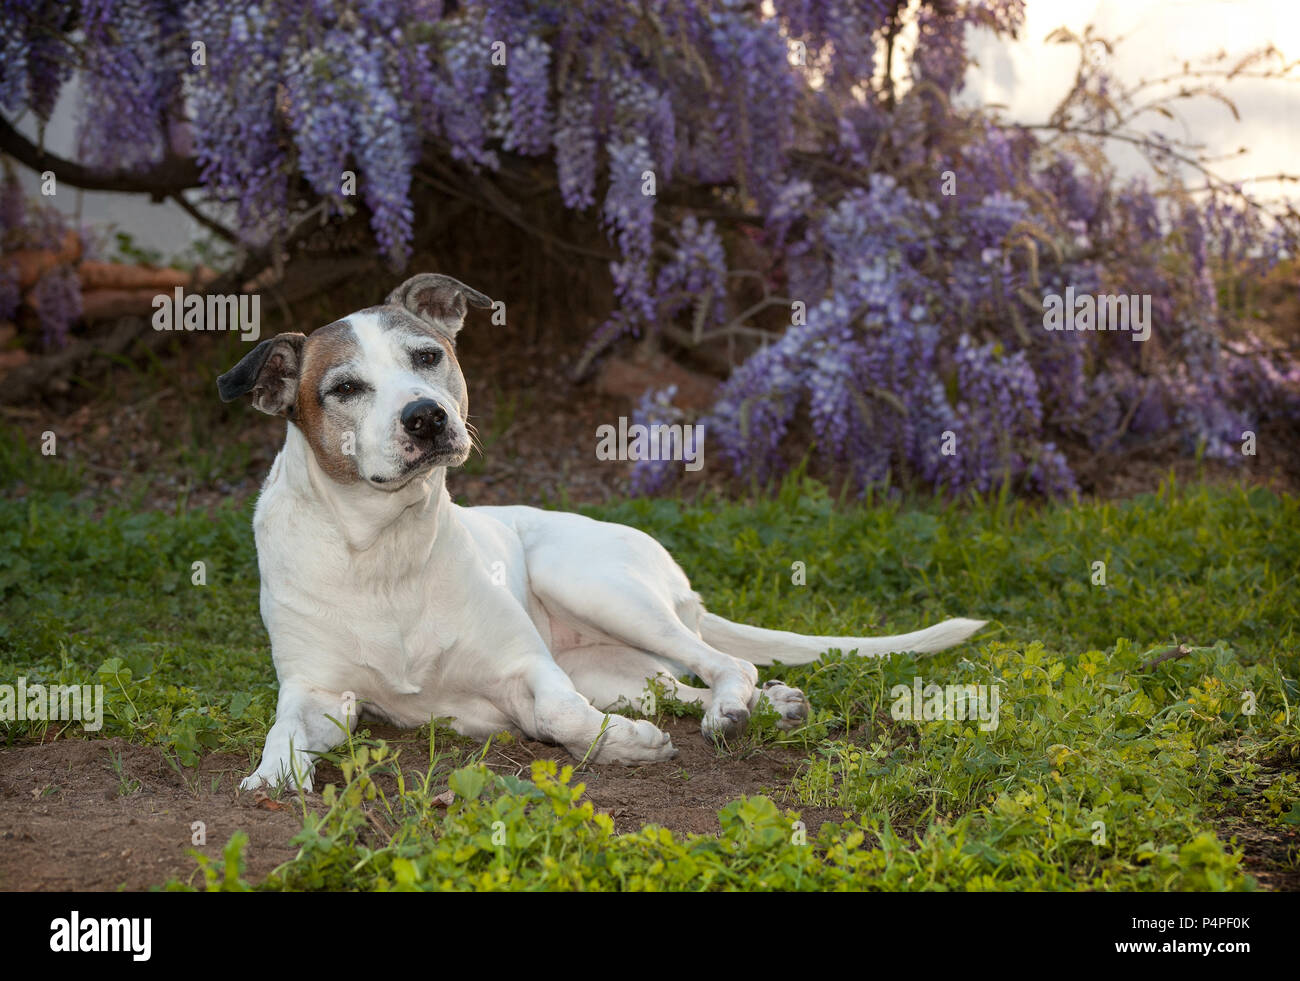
424,417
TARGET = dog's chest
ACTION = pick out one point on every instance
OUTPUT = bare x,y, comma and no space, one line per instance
374,624
399,647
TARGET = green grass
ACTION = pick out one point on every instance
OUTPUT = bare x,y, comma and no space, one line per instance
1105,772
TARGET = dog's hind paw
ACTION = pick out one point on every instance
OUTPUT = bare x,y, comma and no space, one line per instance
791,703
725,719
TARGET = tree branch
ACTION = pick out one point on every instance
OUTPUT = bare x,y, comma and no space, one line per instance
173,175
210,224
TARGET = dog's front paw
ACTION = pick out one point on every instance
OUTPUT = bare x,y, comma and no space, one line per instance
254,781
791,703
632,741
271,777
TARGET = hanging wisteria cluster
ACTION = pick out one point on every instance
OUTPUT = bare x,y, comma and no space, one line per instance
728,149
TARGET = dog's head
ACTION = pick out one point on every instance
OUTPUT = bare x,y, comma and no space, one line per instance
379,395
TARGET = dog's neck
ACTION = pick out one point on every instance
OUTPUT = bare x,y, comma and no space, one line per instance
362,514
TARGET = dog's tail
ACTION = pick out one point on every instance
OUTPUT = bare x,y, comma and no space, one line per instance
759,646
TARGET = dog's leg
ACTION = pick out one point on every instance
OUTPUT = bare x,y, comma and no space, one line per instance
561,714
302,728
639,612
621,585
612,676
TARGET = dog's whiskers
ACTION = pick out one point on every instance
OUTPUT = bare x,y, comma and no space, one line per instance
474,441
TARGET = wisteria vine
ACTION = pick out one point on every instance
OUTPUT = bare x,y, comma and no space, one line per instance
730,151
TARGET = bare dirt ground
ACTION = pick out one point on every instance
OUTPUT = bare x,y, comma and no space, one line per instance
72,819
69,822
1269,852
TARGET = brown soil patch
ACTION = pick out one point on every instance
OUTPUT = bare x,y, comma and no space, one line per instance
69,821
1272,854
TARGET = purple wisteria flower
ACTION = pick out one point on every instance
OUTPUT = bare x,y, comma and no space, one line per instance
656,408
57,299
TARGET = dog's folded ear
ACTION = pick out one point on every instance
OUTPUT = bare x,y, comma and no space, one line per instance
438,299
269,373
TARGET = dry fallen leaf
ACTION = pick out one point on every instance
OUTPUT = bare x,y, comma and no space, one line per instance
271,805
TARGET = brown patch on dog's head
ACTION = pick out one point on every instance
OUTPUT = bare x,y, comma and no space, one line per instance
283,377
327,428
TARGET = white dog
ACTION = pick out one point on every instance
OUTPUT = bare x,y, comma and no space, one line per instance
382,598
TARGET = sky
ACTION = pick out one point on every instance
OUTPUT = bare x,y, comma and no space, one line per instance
1026,75
1030,76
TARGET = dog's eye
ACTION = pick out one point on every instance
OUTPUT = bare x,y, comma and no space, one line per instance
427,359
345,388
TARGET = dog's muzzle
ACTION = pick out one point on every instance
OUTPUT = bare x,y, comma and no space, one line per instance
427,437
